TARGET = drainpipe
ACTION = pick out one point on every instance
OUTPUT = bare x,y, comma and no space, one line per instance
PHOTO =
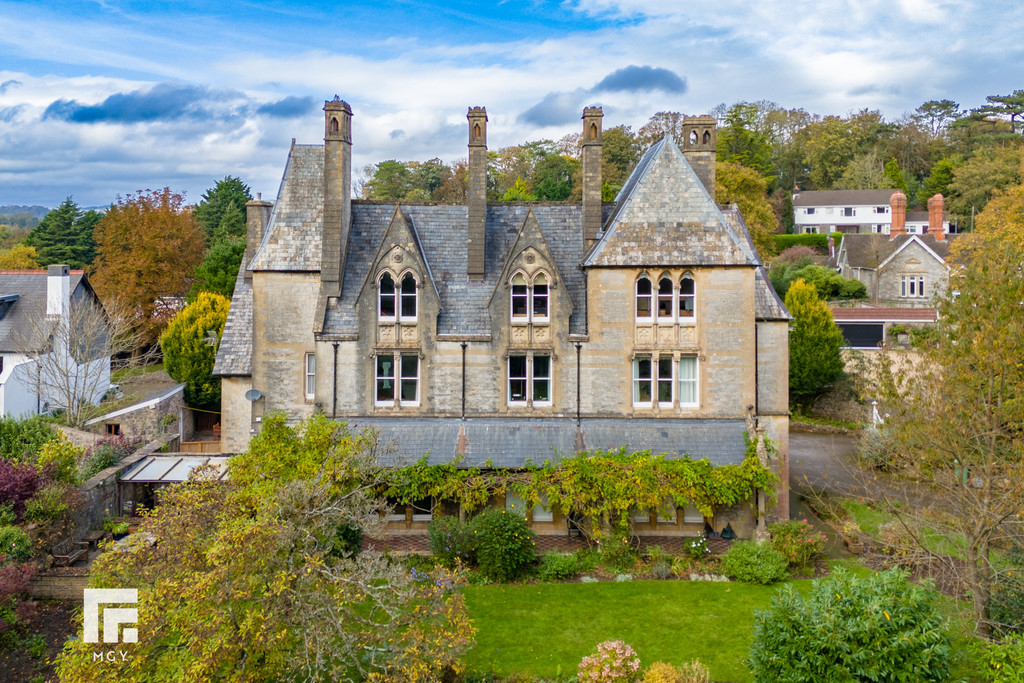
463,345
579,346
334,392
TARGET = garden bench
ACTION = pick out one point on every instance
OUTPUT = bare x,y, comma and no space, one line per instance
68,551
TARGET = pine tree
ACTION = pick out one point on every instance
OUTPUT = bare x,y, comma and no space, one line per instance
814,343
216,204
65,235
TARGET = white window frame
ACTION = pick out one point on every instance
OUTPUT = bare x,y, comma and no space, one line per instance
380,298
525,296
529,378
397,379
637,296
882,209
534,296
662,363
693,381
848,211
402,296
310,376
912,286
809,211
671,296
637,381
692,318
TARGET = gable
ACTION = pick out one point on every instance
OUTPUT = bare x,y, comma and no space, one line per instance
664,216
529,254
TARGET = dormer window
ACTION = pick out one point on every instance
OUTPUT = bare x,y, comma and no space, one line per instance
408,312
386,310
687,298
529,301
644,299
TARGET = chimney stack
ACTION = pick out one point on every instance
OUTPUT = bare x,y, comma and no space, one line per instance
477,192
257,217
898,209
592,204
936,208
58,290
699,147
337,189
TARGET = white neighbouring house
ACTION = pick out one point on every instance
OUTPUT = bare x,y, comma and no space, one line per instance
35,310
857,212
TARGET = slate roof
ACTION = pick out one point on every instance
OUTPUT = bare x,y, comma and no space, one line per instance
883,313
234,355
868,251
19,331
843,198
663,215
767,304
516,443
293,241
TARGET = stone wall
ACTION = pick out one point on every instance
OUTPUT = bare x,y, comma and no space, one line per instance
58,587
914,260
100,492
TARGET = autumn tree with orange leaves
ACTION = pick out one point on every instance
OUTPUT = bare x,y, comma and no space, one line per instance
148,246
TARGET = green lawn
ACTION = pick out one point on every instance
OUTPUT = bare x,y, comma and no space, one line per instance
545,629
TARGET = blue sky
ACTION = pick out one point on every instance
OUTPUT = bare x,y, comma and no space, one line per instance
103,98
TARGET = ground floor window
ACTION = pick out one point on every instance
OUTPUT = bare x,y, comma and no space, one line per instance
657,376
912,286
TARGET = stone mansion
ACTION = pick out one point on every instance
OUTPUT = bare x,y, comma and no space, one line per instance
512,332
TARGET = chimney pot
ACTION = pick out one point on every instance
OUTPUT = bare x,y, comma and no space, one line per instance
898,209
936,209
58,290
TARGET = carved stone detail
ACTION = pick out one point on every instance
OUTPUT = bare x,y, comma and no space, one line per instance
666,335
408,333
541,334
643,336
386,334
687,335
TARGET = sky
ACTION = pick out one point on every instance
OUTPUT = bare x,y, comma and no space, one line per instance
103,98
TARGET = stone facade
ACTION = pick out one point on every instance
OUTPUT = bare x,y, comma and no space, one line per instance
512,332
902,270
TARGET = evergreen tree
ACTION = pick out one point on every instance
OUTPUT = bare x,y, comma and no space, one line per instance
519,192
65,235
190,348
893,177
219,269
216,203
814,343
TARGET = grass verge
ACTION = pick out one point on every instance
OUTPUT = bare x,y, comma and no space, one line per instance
545,629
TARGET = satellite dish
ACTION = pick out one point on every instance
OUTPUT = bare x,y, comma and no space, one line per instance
253,395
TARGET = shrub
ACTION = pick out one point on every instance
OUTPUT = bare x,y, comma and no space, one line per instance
7,516
106,453
188,356
698,547
618,554
18,483
58,459
1006,601
559,566
21,439
878,628
798,542
660,672
506,545
681,565
49,503
753,562
661,570
15,544
452,539
615,662
1003,662
348,540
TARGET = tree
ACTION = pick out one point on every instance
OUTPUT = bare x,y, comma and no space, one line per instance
936,115
619,154
65,235
219,270
661,124
19,257
1006,107
745,187
553,177
740,142
73,369
249,578
892,177
814,343
941,177
148,248
990,169
391,180
519,192
190,348
956,415
222,210
851,630
864,172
